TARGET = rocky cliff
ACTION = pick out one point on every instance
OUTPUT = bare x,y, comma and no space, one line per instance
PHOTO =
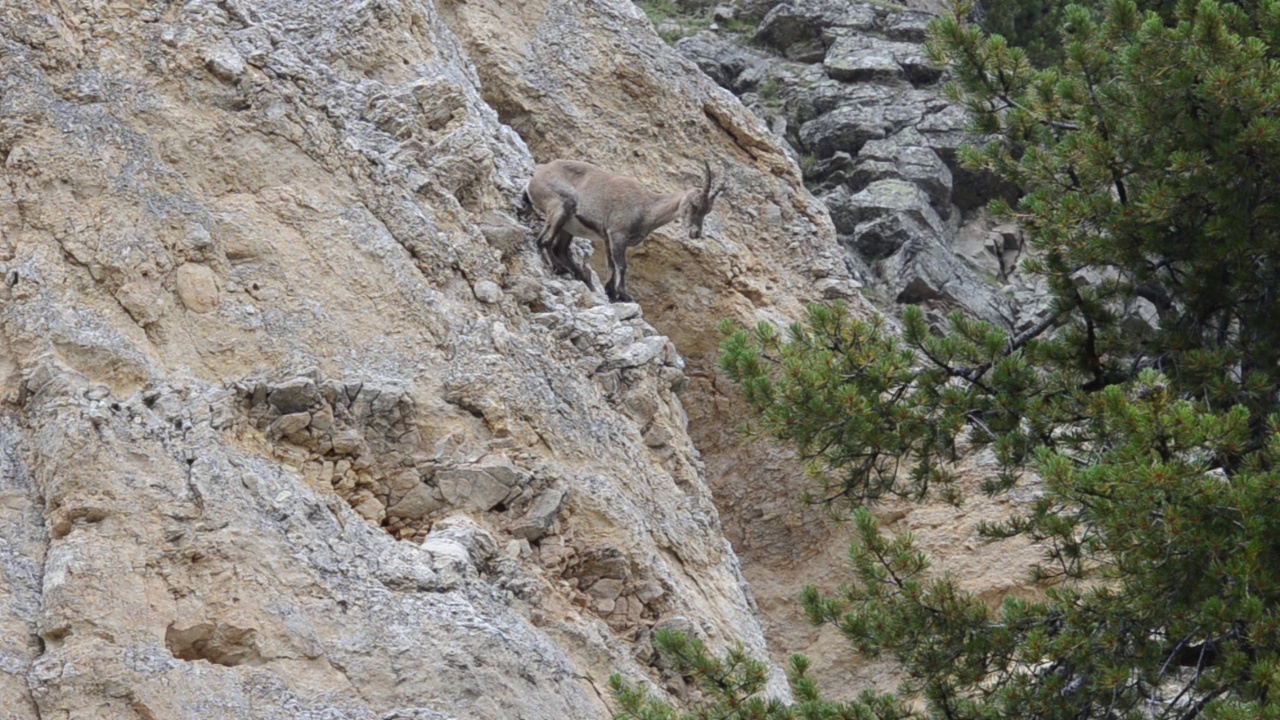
847,89
293,420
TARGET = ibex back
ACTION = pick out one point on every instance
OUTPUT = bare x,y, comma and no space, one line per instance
582,200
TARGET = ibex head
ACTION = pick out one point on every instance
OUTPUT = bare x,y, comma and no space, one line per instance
697,203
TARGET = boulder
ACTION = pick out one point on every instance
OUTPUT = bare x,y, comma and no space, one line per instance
145,299
502,231
755,10
471,487
908,26
846,128
876,222
804,92
417,504
197,287
813,21
225,63
296,395
640,353
923,270
893,158
541,516
347,442
488,292
882,236
863,58
946,132
886,197
288,425
829,173
919,69
459,549
720,57
406,568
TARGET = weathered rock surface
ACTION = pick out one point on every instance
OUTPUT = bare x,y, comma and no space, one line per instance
855,96
280,379
197,287
722,58
795,27
541,516
294,422
862,58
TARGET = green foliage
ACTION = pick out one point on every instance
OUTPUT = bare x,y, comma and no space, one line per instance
1033,25
1149,160
1036,26
1182,603
689,21
770,91
659,10
1157,516
738,26
870,420
732,688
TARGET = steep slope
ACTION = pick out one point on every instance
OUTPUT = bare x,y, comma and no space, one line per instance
848,88
847,91
266,308
593,81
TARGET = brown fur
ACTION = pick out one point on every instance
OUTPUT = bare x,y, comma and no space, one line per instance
577,198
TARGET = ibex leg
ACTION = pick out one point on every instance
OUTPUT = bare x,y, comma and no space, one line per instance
551,237
611,285
617,287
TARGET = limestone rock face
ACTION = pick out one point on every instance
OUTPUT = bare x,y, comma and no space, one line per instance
293,420
197,287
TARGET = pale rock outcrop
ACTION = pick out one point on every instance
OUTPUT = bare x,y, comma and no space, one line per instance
555,74
280,381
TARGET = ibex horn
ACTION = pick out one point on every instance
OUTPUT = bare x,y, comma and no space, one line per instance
724,175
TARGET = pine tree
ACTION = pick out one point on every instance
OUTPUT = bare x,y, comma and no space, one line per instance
1032,25
732,688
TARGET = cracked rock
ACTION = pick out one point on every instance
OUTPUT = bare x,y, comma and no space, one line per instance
471,488
197,288
287,425
541,516
294,395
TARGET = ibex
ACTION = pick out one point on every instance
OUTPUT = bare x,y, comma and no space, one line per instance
580,199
